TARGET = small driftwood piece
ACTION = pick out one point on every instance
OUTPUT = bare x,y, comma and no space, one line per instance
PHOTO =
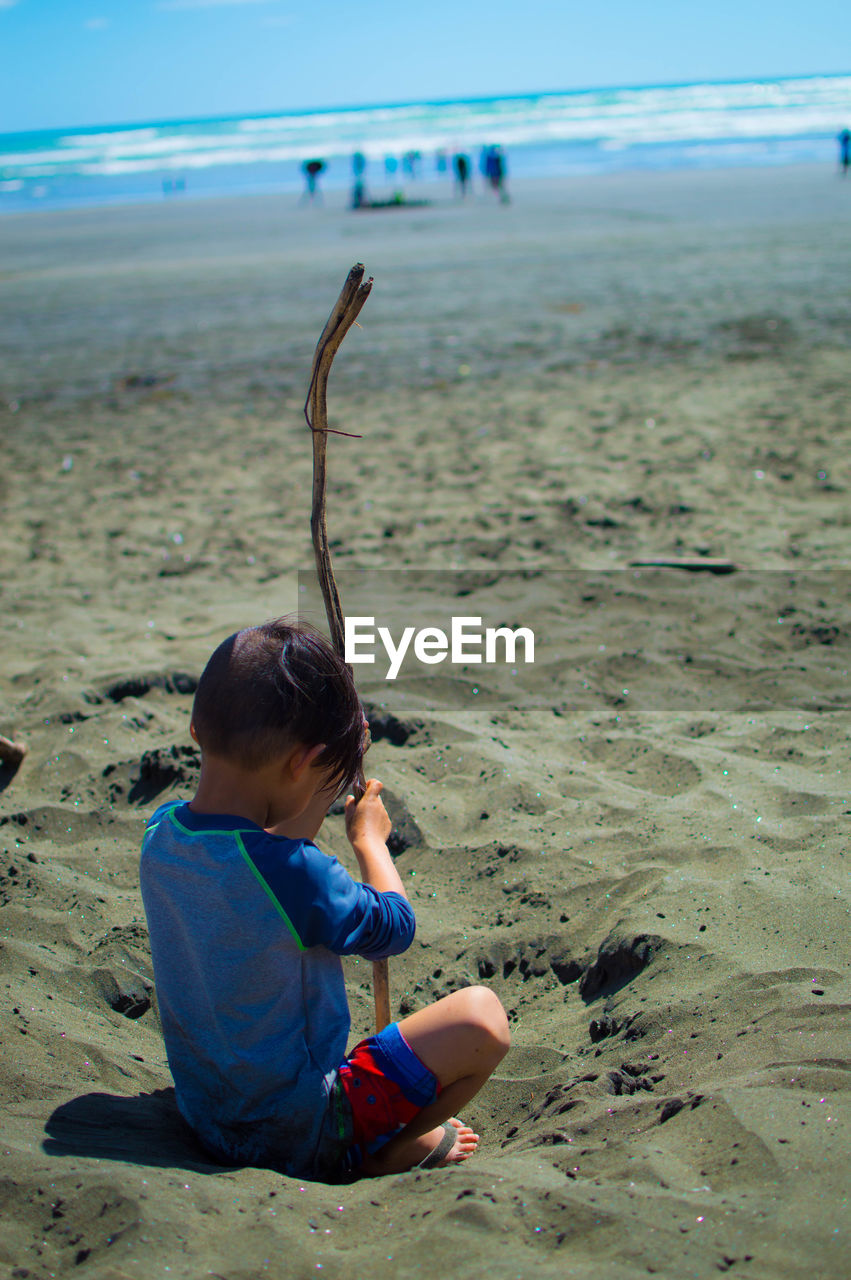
688,564
346,310
11,753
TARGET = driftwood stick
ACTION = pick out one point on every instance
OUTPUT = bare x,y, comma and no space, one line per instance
353,295
689,564
11,753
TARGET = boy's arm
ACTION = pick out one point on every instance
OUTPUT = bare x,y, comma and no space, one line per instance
321,902
367,827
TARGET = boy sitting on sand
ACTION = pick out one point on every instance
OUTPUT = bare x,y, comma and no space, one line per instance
248,919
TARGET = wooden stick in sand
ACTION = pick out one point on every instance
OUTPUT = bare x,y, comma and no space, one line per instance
353,295
689,564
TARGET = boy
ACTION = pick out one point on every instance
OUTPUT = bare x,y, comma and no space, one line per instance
248,919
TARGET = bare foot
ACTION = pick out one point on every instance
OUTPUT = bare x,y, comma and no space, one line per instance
464,1146
402,1153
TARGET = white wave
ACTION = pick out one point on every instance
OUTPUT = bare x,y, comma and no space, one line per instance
106,139
198,160
608,118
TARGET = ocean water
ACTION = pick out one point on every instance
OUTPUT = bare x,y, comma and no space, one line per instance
758,122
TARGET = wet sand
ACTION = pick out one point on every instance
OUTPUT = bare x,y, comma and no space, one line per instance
638,840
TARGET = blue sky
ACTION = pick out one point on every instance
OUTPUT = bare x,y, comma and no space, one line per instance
89,62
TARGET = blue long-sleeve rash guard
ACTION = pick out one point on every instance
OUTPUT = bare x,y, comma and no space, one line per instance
247,930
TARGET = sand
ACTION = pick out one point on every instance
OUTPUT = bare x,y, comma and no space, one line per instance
638,840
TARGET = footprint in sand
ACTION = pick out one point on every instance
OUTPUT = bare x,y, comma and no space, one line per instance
639,765
163,769
137,686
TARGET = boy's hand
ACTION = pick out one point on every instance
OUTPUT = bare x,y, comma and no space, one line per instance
367,821
368,826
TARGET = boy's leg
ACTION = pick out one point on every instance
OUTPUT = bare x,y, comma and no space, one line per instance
461,1039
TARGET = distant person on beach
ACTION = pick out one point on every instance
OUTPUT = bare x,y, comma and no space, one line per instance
359,187
495,172
411,163
248,919
311,170
461,165
844,151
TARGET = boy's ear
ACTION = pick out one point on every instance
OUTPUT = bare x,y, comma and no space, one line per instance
193,732
301,758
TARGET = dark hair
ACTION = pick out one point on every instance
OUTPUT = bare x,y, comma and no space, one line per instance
271,687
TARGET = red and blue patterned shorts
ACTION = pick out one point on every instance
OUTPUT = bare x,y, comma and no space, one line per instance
385,1085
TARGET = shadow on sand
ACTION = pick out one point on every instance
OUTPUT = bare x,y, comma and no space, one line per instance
147,1130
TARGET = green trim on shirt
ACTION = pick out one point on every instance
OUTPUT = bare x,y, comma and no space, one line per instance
237,836
280,910
193,831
